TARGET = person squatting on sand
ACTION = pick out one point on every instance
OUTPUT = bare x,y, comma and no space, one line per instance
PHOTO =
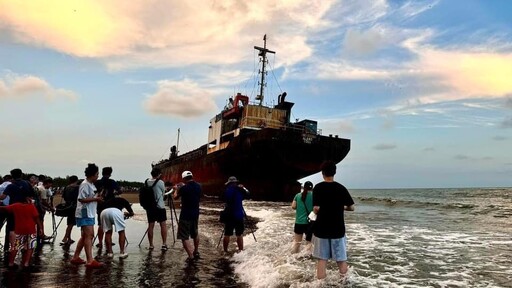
330,199
302,204
27,218
159,213
190,194
108,190
233,196
112,215
85,213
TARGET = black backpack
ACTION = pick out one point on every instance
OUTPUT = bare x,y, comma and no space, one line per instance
147,196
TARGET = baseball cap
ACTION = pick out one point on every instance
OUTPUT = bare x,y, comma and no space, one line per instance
231,179
186,174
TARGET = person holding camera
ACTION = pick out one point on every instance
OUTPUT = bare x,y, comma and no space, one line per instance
233,196
112,215
190,194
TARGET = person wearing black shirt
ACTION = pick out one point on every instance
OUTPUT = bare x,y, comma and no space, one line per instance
108,190
330,200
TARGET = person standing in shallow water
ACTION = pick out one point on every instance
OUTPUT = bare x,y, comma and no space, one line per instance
85,213
190,194
330,200
302,204
234,195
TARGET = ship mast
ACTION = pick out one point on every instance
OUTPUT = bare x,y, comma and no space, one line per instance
263,55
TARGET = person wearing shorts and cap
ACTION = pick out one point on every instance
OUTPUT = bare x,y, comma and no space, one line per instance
190,194
233,196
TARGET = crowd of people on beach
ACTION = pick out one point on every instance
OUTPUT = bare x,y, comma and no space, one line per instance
96,201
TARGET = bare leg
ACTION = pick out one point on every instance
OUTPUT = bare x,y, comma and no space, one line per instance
12,255
100,236
240,242
297,238
321,269
342,267
163,232
151,226
79,246
27,256
108,241
196,244
88,234
187,245
67,236
122,240
225,243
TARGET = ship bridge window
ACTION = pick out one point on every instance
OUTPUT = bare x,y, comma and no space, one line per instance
309,126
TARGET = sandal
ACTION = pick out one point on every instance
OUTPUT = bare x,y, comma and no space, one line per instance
77,261
151,247
165,248
94,264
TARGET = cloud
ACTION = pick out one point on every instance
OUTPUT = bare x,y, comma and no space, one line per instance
499,138
467,74
461,157
22,86
507,123
384,146
508,102
183,99
360,43
163,33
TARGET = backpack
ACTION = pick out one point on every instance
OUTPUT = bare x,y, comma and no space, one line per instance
147,196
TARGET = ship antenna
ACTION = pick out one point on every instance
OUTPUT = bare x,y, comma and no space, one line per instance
263,55
178,142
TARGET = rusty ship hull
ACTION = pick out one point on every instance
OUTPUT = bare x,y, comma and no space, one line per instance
268,162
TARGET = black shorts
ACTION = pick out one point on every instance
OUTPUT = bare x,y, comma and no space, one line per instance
234,224
156,215
187,229
71,220
304,229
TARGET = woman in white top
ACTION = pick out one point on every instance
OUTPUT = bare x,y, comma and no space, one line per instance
85,213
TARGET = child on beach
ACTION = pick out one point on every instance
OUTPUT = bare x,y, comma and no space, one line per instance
85,213
26,218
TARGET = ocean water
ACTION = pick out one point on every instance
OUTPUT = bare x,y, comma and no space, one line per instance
396,238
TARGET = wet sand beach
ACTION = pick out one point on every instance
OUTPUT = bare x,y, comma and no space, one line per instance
142,268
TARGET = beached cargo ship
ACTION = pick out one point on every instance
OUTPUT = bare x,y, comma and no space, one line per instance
259,145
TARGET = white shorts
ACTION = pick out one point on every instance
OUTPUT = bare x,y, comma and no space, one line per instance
112,217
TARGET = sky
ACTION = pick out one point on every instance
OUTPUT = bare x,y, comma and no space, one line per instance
422,88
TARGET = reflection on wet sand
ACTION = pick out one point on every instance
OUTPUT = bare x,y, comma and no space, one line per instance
142,268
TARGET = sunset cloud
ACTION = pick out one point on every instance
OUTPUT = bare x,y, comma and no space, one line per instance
183,99
23,86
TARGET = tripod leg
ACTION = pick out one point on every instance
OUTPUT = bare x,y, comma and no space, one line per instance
221,235
143,237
